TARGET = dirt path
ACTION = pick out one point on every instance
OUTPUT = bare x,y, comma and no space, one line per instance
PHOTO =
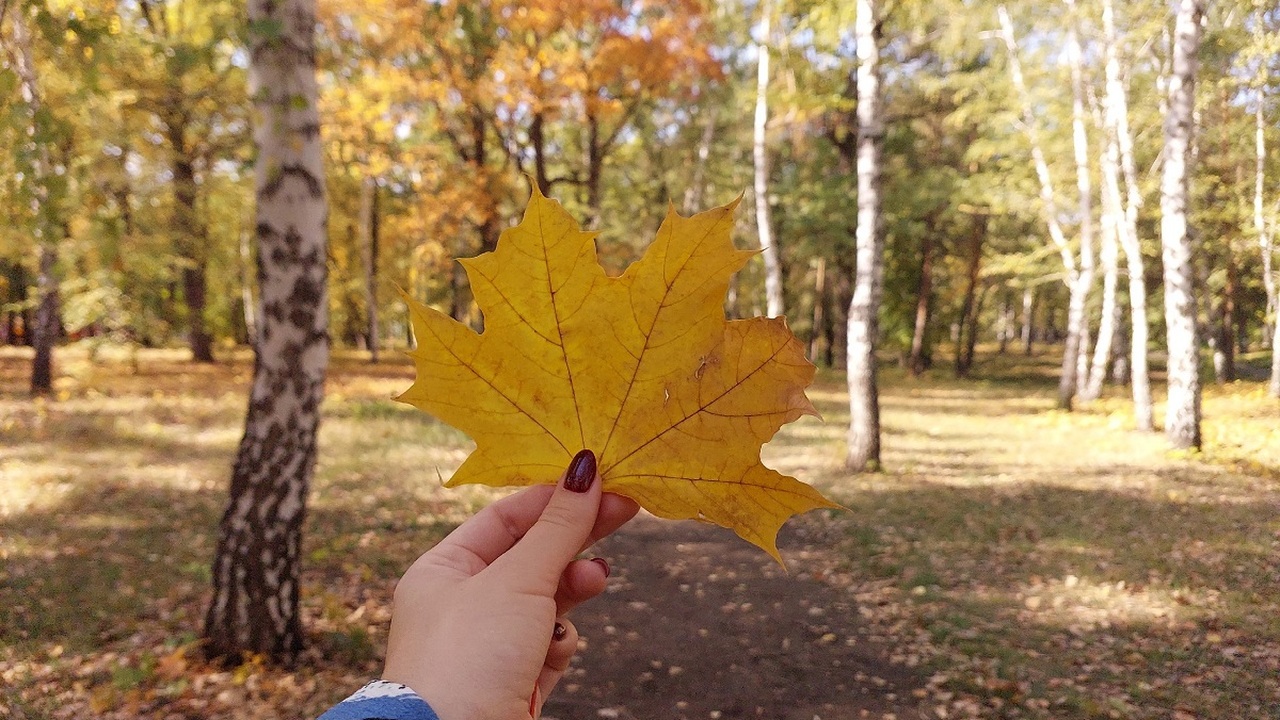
700,624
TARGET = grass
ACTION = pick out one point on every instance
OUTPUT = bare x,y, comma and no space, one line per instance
1037,563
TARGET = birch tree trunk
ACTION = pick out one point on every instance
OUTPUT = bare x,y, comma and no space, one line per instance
864,308
43,332
1084,189
764,224
1049,208
1120,145
1271,321
1182,418
1110,318
254,607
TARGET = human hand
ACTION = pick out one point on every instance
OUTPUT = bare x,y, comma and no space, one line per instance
478,627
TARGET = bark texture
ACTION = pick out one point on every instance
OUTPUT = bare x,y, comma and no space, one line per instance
864,309
1120,153
764,223
254,608
1182,418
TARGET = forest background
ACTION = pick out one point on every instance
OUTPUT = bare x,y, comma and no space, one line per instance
1022,185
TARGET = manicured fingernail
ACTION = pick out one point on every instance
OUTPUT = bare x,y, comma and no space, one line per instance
560,631
603,563
581,472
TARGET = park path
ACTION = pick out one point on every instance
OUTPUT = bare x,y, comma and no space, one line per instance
700,624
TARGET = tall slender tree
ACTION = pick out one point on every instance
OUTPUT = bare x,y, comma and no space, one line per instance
44,190
864,309
764,223
1078,316
256,567
1182,416
1271,318
1067,382
1120,149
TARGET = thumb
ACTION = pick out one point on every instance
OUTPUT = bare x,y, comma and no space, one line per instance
556,538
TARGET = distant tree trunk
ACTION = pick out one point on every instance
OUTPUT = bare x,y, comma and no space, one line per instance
188,233
838,326
1182,419
697,186
595,169
254,608
43,330
1271,319
1077,282
819,303
924,301
764,224
968,321
1228,311
1028,319
971,333
864,309
246,291
1110,309
370,225
1120,150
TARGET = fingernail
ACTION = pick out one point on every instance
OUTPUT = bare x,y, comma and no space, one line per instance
581,472
559,631
603,563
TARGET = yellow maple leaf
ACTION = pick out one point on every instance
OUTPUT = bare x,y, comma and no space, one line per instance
643,369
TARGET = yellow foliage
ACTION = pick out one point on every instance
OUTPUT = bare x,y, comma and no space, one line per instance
643,369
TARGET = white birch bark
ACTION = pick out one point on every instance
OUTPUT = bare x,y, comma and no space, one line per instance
864,309
764,223
1084,191
256,568
1182,416
1120,145
1271,319
1110,317
1049,209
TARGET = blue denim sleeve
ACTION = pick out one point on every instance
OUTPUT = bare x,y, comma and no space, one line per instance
381,700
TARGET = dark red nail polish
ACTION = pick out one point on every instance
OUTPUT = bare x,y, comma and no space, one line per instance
603,563
581,472
560,631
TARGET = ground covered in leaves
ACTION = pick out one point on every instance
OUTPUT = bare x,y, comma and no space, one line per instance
1013,561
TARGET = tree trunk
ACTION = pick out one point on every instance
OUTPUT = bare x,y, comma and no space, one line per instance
254,608
924,301
1120,149
764,224
968,321
1084,189
1077,283
188,234
1110,309
370,226
1182,419
819,302
864,309
43,330
247,302
1028,320
697,186
1271,319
